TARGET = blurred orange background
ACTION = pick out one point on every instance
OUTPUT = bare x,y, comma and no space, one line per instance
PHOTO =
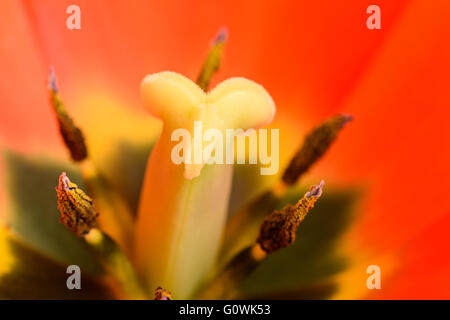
316,58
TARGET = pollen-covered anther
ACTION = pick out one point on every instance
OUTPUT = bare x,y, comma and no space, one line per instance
71,134
315,145
162,294
78,212
279,228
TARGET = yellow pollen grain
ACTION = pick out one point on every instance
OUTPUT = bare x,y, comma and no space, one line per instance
94,237
258,253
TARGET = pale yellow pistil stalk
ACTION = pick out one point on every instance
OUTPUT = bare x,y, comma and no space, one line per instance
183,207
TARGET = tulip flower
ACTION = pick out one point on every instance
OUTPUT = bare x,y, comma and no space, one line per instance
183,208
317,67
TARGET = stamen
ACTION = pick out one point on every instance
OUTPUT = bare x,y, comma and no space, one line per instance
279,228
162,294
277,231
212,62
71,134
78,212
315,145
